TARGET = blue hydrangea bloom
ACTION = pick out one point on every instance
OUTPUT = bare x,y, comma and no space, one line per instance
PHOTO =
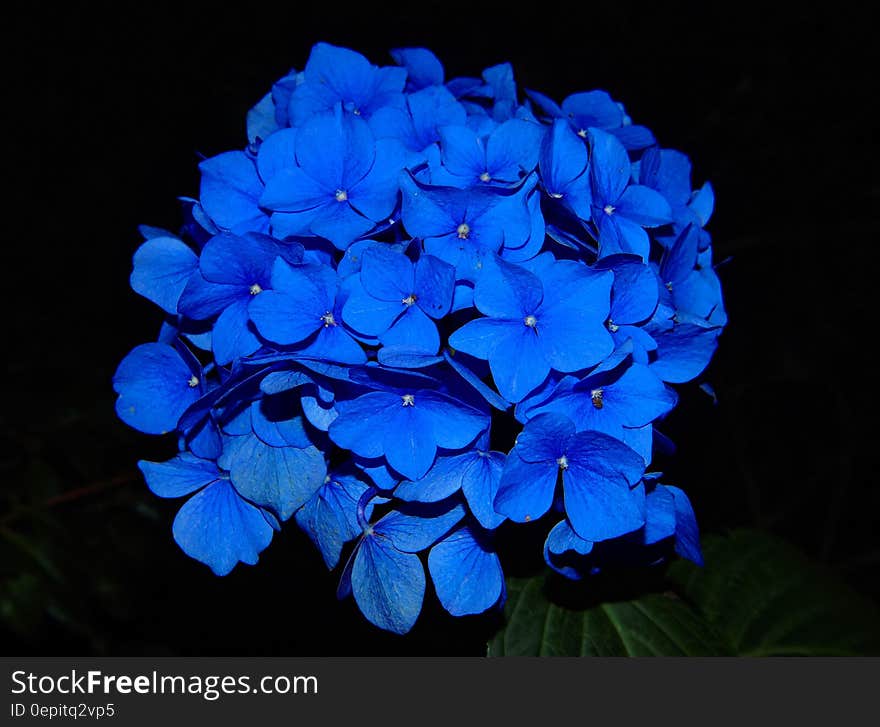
411,312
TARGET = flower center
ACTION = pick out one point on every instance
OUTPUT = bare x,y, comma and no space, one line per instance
597,396
612,326
408,400
556,195
193,381
562,462
328,319
608,209
531,321
341,195
463,231
582,133
485,177
255,289
409,300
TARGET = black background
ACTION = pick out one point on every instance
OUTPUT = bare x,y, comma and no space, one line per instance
109,108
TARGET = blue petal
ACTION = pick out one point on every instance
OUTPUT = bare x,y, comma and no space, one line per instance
512,149
479,484
563,159
361,424
507,291
201,299
526,489
180,475
442,480
635,292
687,535
334,343
153,383
598,499
413,533
545,438
659,515
368,315
162,267
462,153
422,67
683,352
410,444
273,423
387,274
480,336
276,154
412,332
329,518
233,336
388,585
230,191
434,286
610,168
454,424
467,575
518,363
279,478
220,529
376,195
644,206
483,389
593,108
562,539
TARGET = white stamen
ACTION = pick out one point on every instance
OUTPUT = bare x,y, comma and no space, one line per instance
408,400
608,209
612,326
255,289
328,319
556,195
669,287
530,321
341,195
582,133
409,300
463,231
562,462
485,177
193,381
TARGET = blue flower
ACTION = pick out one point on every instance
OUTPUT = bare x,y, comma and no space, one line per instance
395,300
216,526
156,385
503,157
417,125
304,307
595,109
393,264
406,428
384,573
597,471
534,324
232,270
462,226
622,210
339,76
341,183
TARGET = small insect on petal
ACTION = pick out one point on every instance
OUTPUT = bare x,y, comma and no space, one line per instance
597,397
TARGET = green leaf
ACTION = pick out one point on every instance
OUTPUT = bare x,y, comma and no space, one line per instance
767,599
658,624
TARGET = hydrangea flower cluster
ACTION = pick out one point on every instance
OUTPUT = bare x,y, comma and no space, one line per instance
414,309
